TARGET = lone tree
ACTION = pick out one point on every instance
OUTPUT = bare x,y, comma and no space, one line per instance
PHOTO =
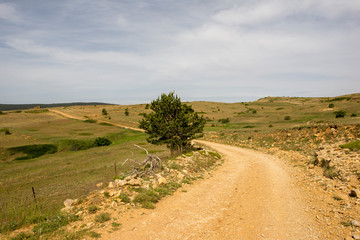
172,123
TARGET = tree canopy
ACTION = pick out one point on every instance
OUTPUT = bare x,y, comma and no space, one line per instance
172,123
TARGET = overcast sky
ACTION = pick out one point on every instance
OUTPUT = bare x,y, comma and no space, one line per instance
131,51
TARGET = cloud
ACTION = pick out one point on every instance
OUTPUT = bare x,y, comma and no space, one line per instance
8,12
221,49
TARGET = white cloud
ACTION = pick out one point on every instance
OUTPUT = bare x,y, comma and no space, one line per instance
8,12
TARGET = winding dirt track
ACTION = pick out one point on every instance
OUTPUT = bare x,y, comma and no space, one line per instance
100,121
251,196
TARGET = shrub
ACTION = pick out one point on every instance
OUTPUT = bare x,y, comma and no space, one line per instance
104,112
124,198
92,209
102,217
101,141
127,112
340,114
224,120
147,106
287,118
33,151
353,115
331,105
270,125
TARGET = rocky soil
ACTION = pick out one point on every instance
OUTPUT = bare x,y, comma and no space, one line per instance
330,174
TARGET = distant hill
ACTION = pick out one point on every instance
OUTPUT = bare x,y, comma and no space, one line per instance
9,107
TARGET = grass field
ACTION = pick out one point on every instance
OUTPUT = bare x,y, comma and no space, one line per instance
72,174
61,175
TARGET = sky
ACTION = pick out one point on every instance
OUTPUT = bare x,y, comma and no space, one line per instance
131,51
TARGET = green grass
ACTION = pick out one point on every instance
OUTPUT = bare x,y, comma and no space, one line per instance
33,151
37,111
102,217
355,145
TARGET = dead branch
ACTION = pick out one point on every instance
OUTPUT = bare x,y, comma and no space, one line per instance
149,166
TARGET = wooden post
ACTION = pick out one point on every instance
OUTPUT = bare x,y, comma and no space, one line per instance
33,190
115,169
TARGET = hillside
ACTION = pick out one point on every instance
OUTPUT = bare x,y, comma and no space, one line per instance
303,132
10,107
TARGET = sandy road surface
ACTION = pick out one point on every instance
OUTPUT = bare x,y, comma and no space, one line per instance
251,196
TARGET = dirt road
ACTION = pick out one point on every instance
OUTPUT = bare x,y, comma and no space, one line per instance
251,196
99,121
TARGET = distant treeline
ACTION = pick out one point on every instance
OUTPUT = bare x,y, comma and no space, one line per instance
9,107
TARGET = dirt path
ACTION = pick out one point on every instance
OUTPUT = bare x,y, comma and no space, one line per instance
251,196
99,121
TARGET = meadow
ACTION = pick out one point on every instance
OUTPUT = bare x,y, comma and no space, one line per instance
70,166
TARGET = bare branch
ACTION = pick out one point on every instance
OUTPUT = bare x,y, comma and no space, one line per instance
147,153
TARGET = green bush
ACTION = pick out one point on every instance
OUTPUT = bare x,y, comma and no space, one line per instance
124,198
33,151
287,118
102,217
104,112
92,209
101,141
353,115
340,114
331,105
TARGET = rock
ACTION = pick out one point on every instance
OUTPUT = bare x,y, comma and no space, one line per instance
355,223
356,237
120,183
79,213
68,203
354,193
134,182
114,204
100,185
111,185
162,181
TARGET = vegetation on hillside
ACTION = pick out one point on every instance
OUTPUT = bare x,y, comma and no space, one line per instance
172,123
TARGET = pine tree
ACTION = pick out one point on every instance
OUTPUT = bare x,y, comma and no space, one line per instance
172,123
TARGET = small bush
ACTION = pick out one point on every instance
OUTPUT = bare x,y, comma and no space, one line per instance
214,154
101,141
340,114
147,106
270,125
249,126
124,198
104,112
92,209
353,115
287,118
102,217
331,105
145,197
126,112
224,120
106,194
